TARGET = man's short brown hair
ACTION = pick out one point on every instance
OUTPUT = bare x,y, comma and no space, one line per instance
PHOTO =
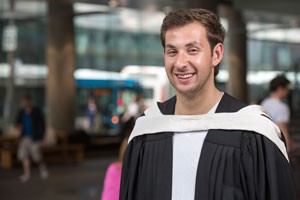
277,82
214,30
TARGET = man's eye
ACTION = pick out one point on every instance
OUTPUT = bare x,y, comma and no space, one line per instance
193,50
171,53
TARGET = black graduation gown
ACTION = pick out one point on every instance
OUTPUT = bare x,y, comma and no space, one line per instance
233,165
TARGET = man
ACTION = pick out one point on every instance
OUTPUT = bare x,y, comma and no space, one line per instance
181,150
91,113
278,110
30,121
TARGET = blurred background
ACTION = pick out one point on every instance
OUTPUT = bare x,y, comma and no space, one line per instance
90,65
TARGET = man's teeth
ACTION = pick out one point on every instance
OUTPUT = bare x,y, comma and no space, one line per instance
185,76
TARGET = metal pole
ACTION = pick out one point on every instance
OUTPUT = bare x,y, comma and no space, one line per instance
7,110
296,88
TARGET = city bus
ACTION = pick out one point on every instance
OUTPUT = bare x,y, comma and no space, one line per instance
111,90
112,93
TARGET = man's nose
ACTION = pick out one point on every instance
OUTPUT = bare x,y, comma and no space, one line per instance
181,61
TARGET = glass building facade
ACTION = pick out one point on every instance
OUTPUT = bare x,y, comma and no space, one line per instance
109,38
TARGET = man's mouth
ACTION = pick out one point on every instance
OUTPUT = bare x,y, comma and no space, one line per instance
184,76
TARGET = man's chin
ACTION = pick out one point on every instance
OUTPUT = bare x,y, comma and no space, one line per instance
187,92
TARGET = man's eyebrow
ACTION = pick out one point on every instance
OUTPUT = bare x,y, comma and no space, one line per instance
193,43
170,46
187,45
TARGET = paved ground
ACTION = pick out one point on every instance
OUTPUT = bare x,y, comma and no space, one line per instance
66,181
69,181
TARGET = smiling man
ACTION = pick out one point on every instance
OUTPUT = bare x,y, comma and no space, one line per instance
203,143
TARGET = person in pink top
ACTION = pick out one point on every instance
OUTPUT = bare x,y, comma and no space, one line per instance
112,181
111,187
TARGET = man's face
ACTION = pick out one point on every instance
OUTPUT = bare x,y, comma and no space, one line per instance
188,59
284,91
26,103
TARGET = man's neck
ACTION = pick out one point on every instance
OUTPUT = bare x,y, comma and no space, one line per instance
201,104
28,109
274,95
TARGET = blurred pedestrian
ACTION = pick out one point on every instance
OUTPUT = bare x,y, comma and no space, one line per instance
133,107
277,109
202,143
30,121
141,104
91,112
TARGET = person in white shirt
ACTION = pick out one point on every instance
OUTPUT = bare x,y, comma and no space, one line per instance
276,108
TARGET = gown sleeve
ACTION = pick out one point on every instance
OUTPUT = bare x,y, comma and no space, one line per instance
147,168
265,173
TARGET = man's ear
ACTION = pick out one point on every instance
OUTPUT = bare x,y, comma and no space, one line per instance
217,54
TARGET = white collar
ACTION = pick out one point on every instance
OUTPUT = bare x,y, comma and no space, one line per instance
249,118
